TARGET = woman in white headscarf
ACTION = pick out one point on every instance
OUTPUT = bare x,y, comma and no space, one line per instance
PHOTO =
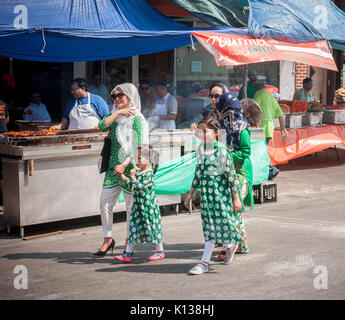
127,128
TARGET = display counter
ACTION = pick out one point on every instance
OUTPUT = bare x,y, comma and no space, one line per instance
54,178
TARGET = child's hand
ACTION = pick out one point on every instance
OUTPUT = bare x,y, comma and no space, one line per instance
123,177
133,172
187,200
237,205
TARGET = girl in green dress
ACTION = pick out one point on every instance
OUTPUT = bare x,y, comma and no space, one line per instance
220,201
145,220
228,111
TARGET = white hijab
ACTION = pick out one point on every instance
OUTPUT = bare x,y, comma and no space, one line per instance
124,129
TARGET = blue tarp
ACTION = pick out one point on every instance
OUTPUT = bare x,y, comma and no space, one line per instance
83,30
298,21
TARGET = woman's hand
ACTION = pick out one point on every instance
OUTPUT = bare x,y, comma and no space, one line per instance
121,112
119,169
193,126
237,205
127,112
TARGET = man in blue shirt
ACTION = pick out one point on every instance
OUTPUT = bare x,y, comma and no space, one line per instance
85,110
36,111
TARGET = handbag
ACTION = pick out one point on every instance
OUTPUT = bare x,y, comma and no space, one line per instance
105,155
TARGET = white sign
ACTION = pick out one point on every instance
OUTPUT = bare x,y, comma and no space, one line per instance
196,66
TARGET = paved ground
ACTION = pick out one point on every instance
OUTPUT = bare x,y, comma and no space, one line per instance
296,244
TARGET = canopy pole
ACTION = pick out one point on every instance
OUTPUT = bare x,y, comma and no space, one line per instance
245,81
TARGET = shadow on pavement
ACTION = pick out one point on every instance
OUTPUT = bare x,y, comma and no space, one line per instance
188,251
174,268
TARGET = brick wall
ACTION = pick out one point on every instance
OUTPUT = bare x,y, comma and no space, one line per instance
301,72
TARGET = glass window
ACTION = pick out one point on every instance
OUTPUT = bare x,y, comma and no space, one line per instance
117,71
196,71
156,66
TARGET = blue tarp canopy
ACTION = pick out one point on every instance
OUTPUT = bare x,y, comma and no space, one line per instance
84,30
298,21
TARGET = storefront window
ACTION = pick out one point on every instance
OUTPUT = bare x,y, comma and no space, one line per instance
117,71
197,70
156,66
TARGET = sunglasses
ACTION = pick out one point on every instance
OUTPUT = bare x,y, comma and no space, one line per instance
119,95
75,89
213,96
144,88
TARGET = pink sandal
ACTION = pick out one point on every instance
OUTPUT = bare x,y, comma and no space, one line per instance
126,257
157,256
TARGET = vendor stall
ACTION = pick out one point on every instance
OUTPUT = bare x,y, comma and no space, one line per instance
303,141
55,177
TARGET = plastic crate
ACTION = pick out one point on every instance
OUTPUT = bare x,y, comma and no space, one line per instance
334,116
266,192
276,123
312,118
294,120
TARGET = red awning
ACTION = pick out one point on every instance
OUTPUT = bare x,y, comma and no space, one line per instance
235,49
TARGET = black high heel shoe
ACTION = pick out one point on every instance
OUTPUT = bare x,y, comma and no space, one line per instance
100,253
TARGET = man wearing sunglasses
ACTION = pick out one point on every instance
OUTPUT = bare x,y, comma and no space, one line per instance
85,110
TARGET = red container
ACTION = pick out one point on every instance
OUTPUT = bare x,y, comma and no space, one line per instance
298,106
334,107
288,102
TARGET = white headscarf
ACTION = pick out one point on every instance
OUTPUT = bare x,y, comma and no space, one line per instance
124,129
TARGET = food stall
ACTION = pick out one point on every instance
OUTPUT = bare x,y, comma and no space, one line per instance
54,177
49,178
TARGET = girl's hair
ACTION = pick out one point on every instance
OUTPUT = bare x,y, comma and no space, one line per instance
147,152
211,123
217,84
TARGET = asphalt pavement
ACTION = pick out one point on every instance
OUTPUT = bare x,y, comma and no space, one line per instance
296,251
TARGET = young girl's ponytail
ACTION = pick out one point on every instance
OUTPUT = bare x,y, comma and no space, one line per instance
154,156
147,151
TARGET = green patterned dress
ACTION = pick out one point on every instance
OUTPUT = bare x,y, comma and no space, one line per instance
145,224
216,177
117,153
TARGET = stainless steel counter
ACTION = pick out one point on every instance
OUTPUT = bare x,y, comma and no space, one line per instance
49,183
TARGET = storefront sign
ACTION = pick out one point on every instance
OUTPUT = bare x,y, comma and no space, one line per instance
196,66
234,49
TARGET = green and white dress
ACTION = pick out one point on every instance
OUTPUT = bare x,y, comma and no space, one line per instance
216,177
117,155
145,222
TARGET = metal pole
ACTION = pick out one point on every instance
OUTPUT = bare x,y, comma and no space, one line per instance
245,81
